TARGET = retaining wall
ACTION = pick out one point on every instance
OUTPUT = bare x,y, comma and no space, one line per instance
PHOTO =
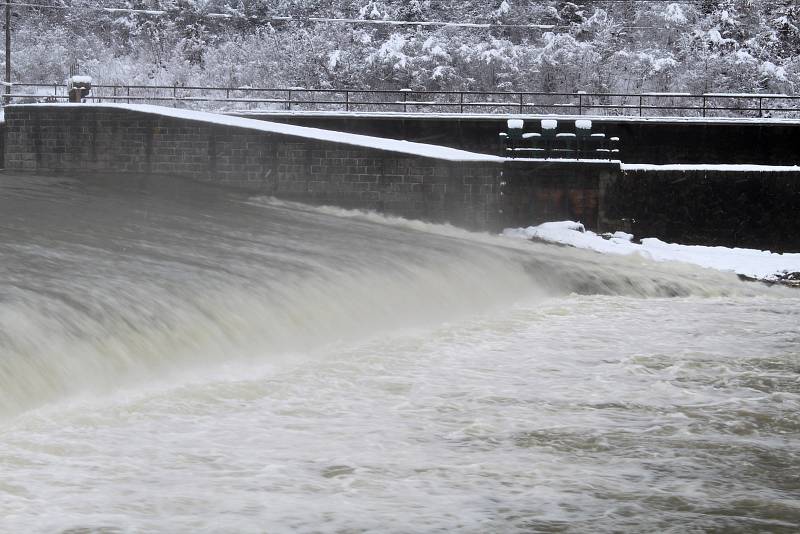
753,209
105,140
656,141
484,194
744,209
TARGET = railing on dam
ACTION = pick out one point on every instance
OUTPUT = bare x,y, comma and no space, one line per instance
408,101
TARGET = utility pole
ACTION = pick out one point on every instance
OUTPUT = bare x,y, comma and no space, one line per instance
7,88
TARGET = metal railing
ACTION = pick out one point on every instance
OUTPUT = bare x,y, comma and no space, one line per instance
407,101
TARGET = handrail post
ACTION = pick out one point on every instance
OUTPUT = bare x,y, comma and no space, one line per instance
289,100
521,103
347,100
641,98
580,104
405,99
461,101
704,105
129,94
760,106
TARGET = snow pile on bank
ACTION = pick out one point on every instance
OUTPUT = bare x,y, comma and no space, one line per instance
747,262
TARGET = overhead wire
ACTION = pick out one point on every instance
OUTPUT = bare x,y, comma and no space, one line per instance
350,21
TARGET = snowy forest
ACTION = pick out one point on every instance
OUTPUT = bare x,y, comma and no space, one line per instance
516,45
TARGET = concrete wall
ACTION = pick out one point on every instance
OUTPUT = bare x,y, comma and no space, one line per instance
745,209
656,141
478,195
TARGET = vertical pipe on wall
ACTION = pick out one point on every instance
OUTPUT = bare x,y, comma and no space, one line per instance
8,51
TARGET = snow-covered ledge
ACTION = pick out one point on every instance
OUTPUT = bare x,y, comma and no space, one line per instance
695,167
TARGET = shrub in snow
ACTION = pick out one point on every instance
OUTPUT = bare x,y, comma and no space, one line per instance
675,14
502,10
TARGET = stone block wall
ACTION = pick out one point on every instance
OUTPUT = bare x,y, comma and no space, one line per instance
104,141
750,209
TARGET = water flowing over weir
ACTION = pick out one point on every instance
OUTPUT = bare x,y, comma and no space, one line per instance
174,358
114,284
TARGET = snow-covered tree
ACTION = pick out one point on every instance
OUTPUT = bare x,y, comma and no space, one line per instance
594,45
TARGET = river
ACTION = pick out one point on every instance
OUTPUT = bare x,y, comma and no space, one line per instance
175,358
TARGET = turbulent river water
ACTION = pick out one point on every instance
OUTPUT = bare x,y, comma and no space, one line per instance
175,359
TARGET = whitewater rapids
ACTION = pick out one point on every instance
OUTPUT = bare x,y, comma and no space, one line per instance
176,358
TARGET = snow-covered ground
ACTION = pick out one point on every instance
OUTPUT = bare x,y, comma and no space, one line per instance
752,263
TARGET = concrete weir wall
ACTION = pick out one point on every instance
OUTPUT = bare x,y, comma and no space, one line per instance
734,207
438,184
643,140
752,208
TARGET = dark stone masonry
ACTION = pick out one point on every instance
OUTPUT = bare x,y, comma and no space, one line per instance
481,195
732,208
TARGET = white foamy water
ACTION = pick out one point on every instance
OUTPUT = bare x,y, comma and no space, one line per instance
176,362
